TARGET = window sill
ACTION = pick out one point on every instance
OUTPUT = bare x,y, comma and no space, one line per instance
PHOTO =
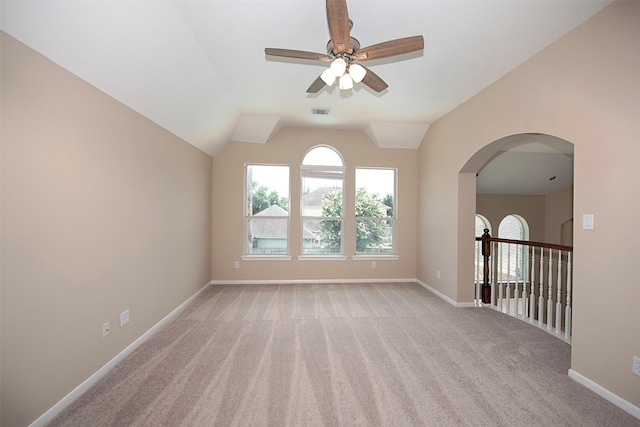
375,257
266,257
322,258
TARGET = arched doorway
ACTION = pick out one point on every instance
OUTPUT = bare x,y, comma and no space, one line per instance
513,175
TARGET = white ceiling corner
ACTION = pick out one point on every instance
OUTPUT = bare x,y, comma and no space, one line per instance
397,135
254,128
198,68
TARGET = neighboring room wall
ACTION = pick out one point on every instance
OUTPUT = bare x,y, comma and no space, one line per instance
102,211
495,207
558,210
289,147
544,214
585,89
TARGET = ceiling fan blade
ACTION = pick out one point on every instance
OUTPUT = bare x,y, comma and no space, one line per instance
372,80
339,25
390,48
298,54
316,85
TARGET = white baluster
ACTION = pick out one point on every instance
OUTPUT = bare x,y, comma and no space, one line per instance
508,278
515,288
532,286
567,314
559,295
500,283
494,276
541,289
550,292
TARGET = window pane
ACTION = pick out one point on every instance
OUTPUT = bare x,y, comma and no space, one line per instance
321,236
480,226
267,186
322,156
374,236
322,197
266,209
511,228
375,198
379,183
267,235
512,255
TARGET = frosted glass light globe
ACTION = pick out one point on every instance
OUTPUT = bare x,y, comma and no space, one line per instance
338,67
357,72
346,82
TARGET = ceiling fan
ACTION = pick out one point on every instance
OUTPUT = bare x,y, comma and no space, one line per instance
343,51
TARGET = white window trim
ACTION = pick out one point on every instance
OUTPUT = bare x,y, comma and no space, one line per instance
322,172
247,256
327,257
363,257
394,219
274,257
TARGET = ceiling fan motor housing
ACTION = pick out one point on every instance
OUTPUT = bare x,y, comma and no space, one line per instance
347,56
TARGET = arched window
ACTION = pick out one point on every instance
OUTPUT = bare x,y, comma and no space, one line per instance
512,256
322,201
481,224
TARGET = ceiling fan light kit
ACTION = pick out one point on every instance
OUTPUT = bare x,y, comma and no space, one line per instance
346,82
338,67
328,77
357,72
343,50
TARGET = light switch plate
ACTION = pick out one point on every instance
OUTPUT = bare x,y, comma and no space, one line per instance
587,221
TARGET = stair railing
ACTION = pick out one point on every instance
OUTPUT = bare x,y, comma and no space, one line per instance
528,280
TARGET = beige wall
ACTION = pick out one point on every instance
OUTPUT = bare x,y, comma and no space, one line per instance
289,147
545,214
495,207
102,211
558,212
585,89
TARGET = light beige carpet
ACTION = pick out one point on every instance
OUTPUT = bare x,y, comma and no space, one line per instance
342,355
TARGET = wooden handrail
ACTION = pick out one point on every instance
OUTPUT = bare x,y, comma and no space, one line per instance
527,242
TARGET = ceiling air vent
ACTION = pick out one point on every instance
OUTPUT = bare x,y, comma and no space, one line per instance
320,111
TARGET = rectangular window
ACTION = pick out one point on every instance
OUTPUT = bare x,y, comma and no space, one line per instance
321,210
375,211
266,210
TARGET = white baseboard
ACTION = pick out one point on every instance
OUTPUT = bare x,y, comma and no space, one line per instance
603,392
308,281
76,392
325,281
444,297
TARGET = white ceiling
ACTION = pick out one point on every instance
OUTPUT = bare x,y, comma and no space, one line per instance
529,164
198,69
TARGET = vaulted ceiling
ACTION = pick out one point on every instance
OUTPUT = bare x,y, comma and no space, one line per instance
198,68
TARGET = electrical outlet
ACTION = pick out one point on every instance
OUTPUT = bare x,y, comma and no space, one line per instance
636,365
437,274
236,264
106,330
373,264
124,318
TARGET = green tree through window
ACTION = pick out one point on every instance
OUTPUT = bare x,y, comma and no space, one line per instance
375,211
368,232
262,197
